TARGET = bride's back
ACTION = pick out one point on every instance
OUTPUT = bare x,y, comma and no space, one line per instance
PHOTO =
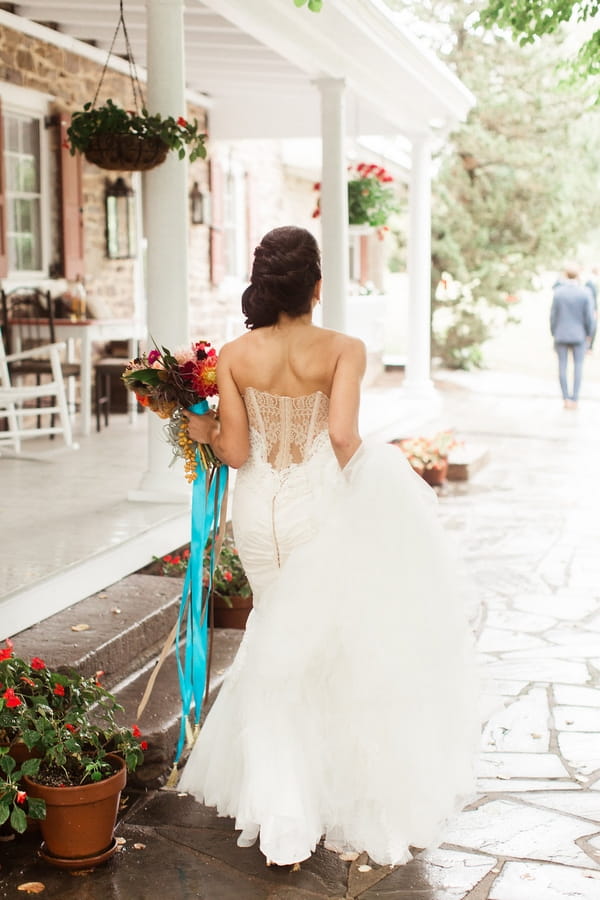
292,358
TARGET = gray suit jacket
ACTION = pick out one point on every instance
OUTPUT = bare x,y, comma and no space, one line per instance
571,316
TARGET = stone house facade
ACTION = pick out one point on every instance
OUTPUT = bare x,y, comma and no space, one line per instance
46,240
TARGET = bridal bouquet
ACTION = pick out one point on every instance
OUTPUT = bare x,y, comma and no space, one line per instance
168,383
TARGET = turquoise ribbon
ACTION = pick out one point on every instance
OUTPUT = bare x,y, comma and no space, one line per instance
192,660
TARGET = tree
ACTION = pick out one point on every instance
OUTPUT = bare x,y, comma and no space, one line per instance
530,19
508,200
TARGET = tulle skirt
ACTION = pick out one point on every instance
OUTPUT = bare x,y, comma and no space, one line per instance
350,711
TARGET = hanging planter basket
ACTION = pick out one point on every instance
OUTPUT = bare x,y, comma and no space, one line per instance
126,152
130,140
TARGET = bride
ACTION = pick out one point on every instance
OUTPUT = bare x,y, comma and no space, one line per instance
350,711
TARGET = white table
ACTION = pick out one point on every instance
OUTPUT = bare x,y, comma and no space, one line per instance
87,331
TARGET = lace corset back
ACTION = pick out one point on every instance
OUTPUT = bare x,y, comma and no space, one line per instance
286,430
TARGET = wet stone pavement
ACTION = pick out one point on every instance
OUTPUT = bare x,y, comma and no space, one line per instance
528,528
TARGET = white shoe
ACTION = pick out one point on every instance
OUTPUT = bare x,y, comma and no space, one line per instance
248,837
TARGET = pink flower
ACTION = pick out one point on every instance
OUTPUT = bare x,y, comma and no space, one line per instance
153,357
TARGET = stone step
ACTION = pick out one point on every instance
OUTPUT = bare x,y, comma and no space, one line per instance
116,630
160,720
466,460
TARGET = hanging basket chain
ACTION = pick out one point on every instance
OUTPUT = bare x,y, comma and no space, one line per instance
138,97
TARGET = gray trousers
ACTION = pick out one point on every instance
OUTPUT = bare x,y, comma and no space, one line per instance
578,351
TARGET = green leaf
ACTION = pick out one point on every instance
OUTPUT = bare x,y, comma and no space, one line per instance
18,820
36,808
8,764
299,2
315,5
30,766
4,812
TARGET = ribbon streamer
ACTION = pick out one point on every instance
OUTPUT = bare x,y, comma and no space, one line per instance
192,654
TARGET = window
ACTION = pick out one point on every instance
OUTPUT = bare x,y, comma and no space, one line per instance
23,193
27,173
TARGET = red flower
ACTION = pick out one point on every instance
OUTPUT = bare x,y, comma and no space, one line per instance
136,731
6,653
11,698
227,576
37,663
21,797
182,122
144,745
317,186
59,690
316,214
153,356
70,727
176,560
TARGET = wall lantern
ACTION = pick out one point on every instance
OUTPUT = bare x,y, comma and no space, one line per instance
120,220
199,206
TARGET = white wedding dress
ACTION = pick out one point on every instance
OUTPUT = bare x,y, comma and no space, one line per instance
350,711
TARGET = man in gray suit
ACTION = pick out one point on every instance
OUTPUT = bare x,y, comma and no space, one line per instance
572,325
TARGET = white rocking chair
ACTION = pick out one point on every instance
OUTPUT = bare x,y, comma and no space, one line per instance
19,421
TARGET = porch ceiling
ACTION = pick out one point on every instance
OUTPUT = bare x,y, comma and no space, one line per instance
257,61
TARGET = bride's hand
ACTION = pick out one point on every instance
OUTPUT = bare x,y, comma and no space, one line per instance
202,429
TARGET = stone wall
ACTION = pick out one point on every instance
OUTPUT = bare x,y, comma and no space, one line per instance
277,198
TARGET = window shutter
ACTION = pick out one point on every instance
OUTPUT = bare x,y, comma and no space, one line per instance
217,235
72,206
3,223
251,219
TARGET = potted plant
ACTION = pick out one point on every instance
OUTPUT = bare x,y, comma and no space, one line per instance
15,804
127,140
429,455
67,725
371,200
231,591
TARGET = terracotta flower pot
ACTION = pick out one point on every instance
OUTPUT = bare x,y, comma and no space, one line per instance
80,821
436,475
234,616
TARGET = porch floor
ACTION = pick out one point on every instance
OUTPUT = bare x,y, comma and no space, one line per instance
69,528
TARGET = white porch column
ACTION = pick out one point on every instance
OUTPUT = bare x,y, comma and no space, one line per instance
334,203
418,362
166,223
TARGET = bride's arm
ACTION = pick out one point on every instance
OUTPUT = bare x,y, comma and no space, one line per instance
345,400
227,435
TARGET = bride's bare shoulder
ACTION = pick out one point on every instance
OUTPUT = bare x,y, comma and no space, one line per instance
344,344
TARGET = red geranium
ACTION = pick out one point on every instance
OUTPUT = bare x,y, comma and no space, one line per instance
37,663
12,700
59,690
7,652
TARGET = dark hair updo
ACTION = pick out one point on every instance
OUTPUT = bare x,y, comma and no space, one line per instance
287,265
